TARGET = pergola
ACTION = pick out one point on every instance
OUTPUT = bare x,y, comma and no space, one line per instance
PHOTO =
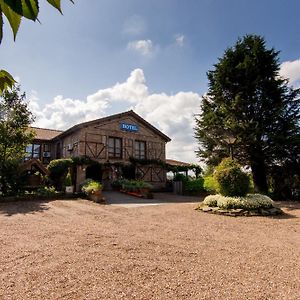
180,166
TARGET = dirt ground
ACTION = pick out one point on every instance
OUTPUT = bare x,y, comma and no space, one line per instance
76,249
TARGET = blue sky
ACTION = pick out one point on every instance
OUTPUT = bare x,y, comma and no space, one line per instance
158,52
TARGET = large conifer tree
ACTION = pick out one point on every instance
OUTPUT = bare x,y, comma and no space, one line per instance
247,99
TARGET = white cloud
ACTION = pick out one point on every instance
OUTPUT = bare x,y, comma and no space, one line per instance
135,25
179,39
144,47
172,114
291,70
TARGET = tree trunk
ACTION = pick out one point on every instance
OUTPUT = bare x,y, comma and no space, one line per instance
259,175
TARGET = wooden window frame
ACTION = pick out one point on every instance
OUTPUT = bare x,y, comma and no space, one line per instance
112,150
138,149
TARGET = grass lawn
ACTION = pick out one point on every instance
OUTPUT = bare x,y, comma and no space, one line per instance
76,249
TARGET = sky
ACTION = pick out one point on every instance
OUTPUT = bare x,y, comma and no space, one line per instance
107,56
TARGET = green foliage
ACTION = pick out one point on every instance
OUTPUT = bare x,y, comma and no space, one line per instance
231,180
46,191
68,179
14,10
84,160
249,202
194,186
175,169
6,80
210,184
117,184
91,187
58,170
15,118
211,201
134,185
180,177
247,99
11,182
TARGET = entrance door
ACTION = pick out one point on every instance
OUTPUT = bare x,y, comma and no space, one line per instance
94,172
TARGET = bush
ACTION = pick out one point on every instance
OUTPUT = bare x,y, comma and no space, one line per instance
194,186
58,170
211,201
11,181
68,179
46,191
210,184
249,202
180,177
135,185
231,180
118,183
91,187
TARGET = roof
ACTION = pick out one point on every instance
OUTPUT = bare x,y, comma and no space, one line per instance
173,162
116,116
45,134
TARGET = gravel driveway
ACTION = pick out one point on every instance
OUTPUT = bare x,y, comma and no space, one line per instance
77,249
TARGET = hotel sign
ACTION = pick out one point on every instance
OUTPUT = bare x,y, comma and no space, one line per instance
129,127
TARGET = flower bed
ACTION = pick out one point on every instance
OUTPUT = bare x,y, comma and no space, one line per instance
250,205
137,188
93,189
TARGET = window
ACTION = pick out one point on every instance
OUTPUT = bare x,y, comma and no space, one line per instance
114,147
33,151
140,149
46,154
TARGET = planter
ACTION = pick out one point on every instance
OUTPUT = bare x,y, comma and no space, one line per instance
139,194
145,192
97,197
70,189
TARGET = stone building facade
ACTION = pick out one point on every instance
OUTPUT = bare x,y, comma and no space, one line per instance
111,141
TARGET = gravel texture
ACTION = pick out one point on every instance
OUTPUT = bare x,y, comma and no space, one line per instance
76,249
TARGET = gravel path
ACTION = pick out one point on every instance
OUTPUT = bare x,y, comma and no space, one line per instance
81,250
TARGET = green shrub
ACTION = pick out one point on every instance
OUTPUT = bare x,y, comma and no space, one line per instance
91,187
11,180
231,180
180,177
118,183
58,170
46,191
249,202
211,201
135,185
68,179
194,186
210,184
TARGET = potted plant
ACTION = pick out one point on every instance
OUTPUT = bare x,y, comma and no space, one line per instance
144,189
69,188
93,189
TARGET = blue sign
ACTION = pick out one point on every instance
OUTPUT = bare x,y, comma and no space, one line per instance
129,127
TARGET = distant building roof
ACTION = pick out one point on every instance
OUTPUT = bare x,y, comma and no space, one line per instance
45,134
173,162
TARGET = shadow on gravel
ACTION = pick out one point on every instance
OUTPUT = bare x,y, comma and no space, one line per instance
22,207
284,216
113,197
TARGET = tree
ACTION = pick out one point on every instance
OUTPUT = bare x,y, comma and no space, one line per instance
14,10
15,119
248,100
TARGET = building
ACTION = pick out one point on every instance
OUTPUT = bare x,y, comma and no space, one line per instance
111,141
